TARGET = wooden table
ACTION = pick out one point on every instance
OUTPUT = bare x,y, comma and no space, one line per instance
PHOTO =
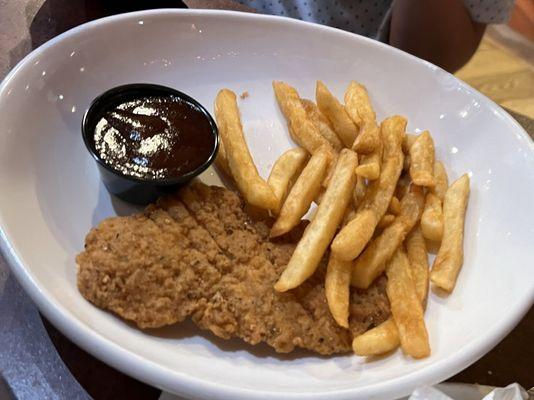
25,24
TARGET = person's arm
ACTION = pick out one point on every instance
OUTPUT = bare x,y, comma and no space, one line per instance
440,31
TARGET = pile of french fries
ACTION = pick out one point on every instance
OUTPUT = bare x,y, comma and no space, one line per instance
381,198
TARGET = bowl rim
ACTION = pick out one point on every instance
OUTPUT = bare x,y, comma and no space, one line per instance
96,106
187,385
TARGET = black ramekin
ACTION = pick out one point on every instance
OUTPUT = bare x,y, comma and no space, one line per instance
129,188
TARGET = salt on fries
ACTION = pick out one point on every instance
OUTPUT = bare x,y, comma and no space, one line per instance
384,207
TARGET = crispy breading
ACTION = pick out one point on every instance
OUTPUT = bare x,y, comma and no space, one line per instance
199,255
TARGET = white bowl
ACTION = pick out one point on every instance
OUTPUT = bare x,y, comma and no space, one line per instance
51,195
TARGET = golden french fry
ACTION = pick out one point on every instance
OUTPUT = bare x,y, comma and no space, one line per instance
357,103
337,289
332,109
379,340
370,164
359,108
369,168
351,240
409,139
380,191
406,308
450,256
386,221
322,124
302,130
371,263
411,206
417,255
221,161
319,233
368,137
359,190
378,194
432,218
422,160
301,195
284,170
442,181
253,188
394,206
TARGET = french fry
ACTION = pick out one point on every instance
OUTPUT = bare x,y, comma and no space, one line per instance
284,170
337,289
386,221
359,190
406,308
378,194
379,340
322,124
450,256
394,206
442,181
371,263
321,230
417,255
368,137
301,129
411,206
422,160
332,109
253,188
380,191
351,240
221,161
357,103
409,139
370,163
359,108
301,195
432,218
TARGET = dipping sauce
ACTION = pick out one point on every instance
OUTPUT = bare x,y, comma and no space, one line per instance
154,137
